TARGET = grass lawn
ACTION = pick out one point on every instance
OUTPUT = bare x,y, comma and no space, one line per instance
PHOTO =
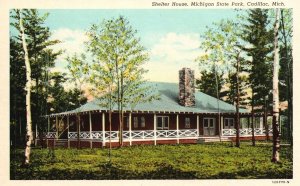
201,161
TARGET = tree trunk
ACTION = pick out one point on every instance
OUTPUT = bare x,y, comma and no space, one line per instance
121,112
252,120
121,116
218,102
237,103
289,83
28,93
276,140
266,120
109,115
78,132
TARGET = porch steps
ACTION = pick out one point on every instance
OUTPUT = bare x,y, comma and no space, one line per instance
213,139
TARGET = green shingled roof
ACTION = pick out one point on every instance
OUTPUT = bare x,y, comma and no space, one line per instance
168,102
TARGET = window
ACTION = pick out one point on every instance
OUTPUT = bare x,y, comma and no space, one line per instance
244,123
142,121
162,122
187,123
228,123
82,125
159,123
205,122
135,122
166,122
257,122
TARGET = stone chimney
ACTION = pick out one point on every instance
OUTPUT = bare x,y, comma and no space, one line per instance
186,87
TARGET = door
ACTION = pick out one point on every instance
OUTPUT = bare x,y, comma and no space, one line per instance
209,128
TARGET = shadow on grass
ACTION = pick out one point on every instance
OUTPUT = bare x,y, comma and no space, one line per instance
105,172
110,172
250,174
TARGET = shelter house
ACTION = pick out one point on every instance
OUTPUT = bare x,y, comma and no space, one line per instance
181,115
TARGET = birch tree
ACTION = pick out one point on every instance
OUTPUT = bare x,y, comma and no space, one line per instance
42,58
117,69
29,136
224,55
78,69
275,124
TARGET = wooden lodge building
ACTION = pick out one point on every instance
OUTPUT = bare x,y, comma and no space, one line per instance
181,115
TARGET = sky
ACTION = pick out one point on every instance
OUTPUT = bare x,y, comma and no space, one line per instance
171,37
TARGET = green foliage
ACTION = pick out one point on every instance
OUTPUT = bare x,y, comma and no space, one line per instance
259,38
286,66
243,85
46,97
207,83
78,70
61,100
116,72
205,161
41,59
222,45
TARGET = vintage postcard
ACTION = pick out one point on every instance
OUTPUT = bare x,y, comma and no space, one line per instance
149,92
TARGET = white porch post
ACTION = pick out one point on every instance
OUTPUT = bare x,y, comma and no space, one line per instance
154,123
103,129
177,128
130,141
222,125
91,137
68,125
197,125
79,128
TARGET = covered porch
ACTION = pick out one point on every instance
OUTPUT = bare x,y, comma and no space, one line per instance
148,128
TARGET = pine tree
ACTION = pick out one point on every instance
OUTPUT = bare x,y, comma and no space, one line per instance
257,34
41,59
258,38
17,92
207,83
286,66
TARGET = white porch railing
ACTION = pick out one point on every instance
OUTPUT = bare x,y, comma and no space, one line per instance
85,135
113,135
97,135
72,135
246,132
136,134
166,133
188,133
142,134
